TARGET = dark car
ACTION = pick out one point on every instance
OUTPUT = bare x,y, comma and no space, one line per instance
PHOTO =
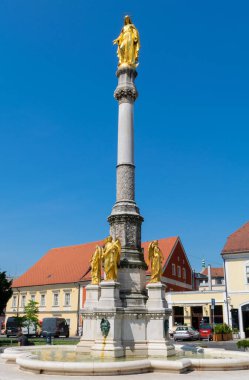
13,326
206,331
55,327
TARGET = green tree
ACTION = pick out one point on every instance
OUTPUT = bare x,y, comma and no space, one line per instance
5,291
31,312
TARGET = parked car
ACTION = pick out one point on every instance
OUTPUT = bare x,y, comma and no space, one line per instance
206,331
55,327
13,327
172,331
2,325
186,332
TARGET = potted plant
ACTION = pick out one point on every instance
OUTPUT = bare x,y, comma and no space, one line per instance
222,332
217,332
226,332
235,333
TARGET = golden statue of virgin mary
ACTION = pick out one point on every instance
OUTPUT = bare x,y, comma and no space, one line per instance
128,44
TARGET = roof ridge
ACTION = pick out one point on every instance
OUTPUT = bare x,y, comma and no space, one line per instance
76,245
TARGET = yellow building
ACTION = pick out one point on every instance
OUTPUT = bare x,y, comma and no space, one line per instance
206,304
236,263
56,282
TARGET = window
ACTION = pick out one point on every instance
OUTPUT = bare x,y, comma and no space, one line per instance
184,273
32,297
14,301
56,299
68,322
43,300
247,274
23,301
219,280
67,299
179,271
173,269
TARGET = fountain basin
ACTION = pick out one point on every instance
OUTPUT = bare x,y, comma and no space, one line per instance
210,359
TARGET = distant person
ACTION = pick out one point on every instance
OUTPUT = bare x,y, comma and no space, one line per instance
22,339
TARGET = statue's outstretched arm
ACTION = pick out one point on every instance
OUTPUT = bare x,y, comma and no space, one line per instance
117,40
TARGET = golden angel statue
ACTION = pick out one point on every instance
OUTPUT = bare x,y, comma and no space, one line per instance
128,44
96,265
155,258
111,258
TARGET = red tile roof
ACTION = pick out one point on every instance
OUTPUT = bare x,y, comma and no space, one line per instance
215,272
238,241
69,264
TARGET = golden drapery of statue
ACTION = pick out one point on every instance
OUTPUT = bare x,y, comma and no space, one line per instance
128,44
156,259
111,258
96,265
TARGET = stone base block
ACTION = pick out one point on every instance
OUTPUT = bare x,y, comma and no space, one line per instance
92,296
160,348
135,349
89,330
109,297
107,349
156,296
85,346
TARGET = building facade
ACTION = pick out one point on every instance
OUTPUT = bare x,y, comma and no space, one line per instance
236,264
223,294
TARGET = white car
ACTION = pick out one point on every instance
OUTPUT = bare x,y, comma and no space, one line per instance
186,332
32,331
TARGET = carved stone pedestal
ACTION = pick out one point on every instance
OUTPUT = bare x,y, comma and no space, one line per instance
110,345
156,296
89,326
109,295
158,322
92,296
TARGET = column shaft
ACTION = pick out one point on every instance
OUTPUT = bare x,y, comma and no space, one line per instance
125,134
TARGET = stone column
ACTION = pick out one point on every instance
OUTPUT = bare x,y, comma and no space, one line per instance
125,220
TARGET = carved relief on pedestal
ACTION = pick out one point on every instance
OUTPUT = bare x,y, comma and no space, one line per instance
127,228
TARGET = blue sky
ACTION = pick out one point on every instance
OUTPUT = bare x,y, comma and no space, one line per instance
58,123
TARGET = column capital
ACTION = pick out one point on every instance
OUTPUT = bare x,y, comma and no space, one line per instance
126,94
126,90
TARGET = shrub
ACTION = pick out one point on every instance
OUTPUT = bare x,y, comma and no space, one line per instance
218,329
226,329
235,330
243,344
222,328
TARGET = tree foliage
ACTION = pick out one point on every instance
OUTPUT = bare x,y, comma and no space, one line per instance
5,291
31,312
